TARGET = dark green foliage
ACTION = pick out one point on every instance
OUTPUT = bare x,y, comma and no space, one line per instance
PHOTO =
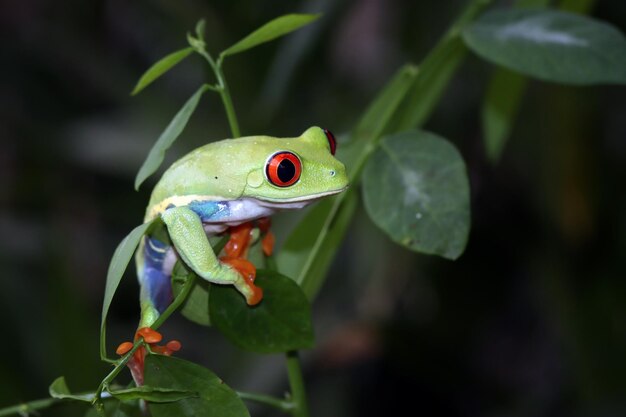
214,397
281,322
415,188
551,45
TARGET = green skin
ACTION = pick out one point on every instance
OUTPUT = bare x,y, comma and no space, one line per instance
233,171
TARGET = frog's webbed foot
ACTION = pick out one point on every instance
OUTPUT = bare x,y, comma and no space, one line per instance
247,270
235,251
151,337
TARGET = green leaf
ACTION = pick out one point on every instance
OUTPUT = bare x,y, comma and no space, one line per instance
215,399
196,306
500,109
152,394
58,389
435,72
160,67
415,188
167,138
280,322
121,257
551,45
311,246
278,27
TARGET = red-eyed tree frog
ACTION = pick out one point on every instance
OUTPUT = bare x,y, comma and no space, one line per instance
232,185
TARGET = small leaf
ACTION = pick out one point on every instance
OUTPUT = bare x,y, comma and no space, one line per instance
415,188
500,108
58,389
167,138
160,67
281,322
152,394
278,27
551,45
121,257
215,399
200,28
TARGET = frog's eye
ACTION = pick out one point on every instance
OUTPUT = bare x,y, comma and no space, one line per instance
331,141
283,169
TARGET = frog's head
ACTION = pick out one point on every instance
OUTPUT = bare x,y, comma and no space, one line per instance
298,170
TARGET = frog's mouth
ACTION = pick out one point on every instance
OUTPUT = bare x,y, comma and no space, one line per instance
297,202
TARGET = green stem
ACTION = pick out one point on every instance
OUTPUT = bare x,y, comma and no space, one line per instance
29,407
296,383
282,405
180,298
223,90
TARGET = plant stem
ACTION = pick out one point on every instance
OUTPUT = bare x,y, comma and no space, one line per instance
180,298
282,405
29,407
223,91
296,383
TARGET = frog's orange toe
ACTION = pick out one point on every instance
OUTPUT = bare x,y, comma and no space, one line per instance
149,336
268,243
173,345
245,268
256,297
124,348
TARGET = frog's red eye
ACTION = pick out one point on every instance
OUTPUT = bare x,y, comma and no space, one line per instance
331,141
283,169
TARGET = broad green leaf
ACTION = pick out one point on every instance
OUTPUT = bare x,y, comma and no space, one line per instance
160,67
121,257
415,188
167,138
152,394
551,45
196,306
500,108
310,248
215,399
58,389
435,72
280,322
278,27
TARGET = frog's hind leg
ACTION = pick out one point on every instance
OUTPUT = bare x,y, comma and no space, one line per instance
188,236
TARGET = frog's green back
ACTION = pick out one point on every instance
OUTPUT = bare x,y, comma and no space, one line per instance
234,168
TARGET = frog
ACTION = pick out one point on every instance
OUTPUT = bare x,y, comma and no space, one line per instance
229,186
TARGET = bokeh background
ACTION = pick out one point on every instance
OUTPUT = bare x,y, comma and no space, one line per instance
530,321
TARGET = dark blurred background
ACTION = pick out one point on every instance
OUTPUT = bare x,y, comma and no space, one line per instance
530,321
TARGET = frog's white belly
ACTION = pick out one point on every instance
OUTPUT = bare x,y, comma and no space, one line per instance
217,216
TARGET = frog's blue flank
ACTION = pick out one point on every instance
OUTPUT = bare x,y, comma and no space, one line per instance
155,277
210,211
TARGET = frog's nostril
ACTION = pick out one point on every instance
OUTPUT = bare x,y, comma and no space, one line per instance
332,172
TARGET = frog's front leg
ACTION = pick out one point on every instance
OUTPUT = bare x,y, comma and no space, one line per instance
189,238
